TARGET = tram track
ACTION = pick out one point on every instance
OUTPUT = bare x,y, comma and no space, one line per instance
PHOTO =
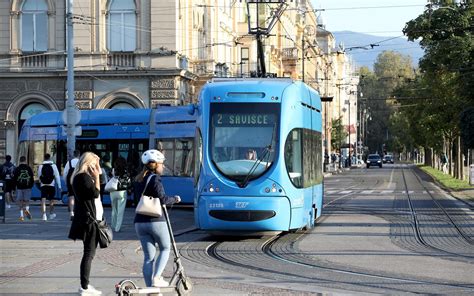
434,228
278,258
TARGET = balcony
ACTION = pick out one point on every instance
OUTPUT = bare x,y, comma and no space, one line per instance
289,53
121,59
34,61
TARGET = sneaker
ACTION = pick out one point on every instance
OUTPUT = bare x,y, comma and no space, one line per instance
160,282
89,291
44,218
21,219
52,216
8,206
71,218
27,214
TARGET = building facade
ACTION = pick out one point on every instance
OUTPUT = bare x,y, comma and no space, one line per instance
143,53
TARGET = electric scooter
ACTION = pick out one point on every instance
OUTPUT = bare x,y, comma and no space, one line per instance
179,283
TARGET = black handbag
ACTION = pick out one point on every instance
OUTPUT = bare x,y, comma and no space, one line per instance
104,233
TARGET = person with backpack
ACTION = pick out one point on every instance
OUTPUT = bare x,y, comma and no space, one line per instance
48,175
67,174
24,181
6,174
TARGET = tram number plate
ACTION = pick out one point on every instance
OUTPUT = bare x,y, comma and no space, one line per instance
216,205
241,204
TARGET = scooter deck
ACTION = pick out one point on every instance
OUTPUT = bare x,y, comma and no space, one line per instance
151,290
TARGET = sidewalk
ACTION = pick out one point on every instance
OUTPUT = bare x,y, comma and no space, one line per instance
37,258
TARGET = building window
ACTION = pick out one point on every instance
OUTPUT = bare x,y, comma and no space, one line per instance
244,62
34,26
122,105
29,111
121,26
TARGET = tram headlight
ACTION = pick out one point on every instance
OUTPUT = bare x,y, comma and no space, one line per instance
274,189
213,189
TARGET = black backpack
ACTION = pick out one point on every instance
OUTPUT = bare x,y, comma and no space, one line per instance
7,172
23,178
124,182
68,177
47,174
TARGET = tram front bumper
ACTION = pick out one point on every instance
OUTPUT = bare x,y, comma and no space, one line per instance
243,213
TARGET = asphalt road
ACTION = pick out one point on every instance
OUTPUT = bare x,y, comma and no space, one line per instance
367,242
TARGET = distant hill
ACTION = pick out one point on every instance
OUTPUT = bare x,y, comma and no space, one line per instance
358,45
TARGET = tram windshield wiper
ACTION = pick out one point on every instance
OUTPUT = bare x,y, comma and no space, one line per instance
266,153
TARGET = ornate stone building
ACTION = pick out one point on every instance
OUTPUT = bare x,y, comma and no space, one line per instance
142,53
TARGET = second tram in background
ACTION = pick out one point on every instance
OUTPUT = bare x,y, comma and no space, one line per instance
113,133
258,156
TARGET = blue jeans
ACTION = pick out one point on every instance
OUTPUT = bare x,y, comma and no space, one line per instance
150,234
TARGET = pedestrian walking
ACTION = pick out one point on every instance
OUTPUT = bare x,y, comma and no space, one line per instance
88,207
153,231
119,198
6,175
24,181
48,175
67,174
444,163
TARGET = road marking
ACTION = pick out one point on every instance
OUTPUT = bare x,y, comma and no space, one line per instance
367,191
387,191
345,191
331,191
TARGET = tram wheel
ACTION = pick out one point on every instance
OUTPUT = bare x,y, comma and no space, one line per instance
125,287
184,286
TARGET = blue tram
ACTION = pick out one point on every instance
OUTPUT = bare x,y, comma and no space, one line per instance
258,156
113,133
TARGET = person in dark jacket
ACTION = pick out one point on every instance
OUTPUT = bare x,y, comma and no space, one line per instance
86,187
24,181
153,231
6,174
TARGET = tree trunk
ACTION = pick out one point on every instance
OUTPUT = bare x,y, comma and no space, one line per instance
428,156
459,159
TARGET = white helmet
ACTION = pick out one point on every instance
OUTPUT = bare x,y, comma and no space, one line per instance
152,155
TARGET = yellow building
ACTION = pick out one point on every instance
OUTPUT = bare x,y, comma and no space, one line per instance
142,54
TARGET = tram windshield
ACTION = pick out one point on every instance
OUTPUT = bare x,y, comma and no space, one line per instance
243,138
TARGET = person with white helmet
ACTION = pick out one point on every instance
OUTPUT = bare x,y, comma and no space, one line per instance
153,231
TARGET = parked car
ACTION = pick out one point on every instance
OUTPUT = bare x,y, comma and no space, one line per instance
388,159
374,159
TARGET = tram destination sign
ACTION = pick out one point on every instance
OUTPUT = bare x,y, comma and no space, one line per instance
243,119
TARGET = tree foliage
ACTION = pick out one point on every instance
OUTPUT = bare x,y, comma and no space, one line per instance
338,134
446,82
391,70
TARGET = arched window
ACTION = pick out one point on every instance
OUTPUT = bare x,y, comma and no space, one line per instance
29,111
121,26
122,105
34,26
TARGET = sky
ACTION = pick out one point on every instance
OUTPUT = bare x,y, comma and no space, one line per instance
374,17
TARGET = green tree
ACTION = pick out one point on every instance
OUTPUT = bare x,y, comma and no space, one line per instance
390,71
445,31
338,134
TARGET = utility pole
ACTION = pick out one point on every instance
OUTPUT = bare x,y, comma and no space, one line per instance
260,31
71,111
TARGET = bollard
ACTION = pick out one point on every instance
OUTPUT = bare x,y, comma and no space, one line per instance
471,174
2,201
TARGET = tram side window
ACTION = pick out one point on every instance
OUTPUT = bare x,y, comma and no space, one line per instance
183,158
293,157
167,148
198,163
40,148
